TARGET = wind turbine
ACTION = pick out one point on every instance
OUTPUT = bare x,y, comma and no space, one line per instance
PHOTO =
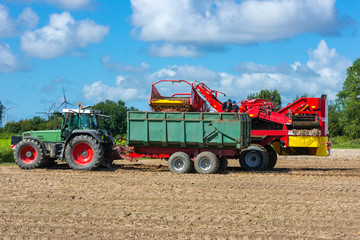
6,113
65,102
48,112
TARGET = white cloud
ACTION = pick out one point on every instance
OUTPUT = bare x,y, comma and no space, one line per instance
62,35
251,67
78,54
171,50
88,31
98,91
64,4
8,61
119,79
186,72
7,26
28,18
234,22
10,27
69,4
324,72
52,86
117,66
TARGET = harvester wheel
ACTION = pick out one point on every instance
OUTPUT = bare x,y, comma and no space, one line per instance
84,153
180,162
207,163
223,164
254,158
272,156
29,154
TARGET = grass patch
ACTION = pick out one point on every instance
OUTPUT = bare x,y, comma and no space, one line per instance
7,164
6,153
4,135
344,142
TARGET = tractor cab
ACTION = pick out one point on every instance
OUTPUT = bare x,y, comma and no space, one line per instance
81,119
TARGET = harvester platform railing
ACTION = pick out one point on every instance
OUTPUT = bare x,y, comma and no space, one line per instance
210,95
183,102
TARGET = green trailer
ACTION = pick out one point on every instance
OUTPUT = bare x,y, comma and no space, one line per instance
199,140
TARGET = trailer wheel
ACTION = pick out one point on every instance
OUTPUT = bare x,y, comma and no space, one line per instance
272,156
84,153
180,162
206,163
254,158
223,164
29,154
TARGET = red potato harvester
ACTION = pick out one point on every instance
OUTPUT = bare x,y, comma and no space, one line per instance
300,128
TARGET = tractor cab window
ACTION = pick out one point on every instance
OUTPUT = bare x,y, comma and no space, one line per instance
88,121
71,121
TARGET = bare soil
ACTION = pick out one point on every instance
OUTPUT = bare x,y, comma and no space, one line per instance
302,198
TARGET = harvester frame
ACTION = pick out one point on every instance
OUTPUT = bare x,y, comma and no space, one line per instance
300,128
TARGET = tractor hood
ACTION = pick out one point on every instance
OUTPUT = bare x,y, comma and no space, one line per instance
44,135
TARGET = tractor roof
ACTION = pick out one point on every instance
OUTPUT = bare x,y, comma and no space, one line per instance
86,111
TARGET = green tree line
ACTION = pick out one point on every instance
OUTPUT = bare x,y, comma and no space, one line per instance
344,113
116,123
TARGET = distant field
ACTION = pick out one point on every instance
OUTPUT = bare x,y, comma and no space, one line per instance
344,143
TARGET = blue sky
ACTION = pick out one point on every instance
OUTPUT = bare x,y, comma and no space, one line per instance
98,50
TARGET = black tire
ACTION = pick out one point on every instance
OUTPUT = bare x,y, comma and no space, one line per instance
180,162
206,163
223,164
254,158
272,156
84,153
29,154
108,157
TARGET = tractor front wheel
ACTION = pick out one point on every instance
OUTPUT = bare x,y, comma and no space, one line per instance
84,153
29,154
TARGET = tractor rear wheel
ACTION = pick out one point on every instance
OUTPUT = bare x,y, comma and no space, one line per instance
84,153
180,162
272,156
29,154
206,163
108,156
223,164
254,158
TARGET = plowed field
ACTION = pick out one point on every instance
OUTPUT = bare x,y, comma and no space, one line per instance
302,198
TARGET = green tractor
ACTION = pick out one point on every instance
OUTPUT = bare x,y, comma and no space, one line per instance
79,141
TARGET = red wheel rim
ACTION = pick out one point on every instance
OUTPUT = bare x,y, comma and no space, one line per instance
82,153
28,154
